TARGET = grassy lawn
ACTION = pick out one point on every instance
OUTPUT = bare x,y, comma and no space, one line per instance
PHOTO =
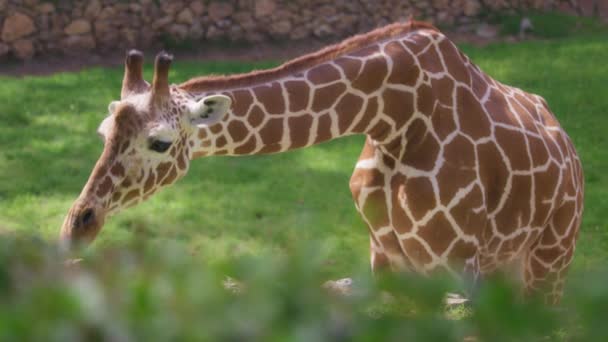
228,208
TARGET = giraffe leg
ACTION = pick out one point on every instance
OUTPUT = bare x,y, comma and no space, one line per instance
546,263
378,260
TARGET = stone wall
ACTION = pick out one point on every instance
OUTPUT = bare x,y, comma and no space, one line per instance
34,27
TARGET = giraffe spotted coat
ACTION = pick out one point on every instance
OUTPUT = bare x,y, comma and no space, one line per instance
459,173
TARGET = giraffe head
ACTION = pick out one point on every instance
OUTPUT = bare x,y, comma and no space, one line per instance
148,138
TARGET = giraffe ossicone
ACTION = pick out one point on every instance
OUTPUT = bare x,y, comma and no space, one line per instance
459,172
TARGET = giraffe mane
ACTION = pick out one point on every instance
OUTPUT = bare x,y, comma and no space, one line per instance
299,64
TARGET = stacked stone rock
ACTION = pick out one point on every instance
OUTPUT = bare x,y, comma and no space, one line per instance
31,27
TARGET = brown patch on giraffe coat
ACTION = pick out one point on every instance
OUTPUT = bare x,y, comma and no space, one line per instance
547,119
514,146
371,110
469,213
126,183
454,63
323,128
553,148
425,99
347,109
299,129
401,222
404,71
270,95
458,170
238,131
389,161
380,130
548,255
298,94
398,105
548,237
417,43
420,197
162,169
324,73
241,101
221,141
430,60
375,210
562,218
105,186
422,147
560,138
460,153
416,251
511,245
173,151
272,132
271,135
248,147
493,173
394,146
479,85
462,250
365,51
443,121
216,129
390,243
380,261
117,170
515,212
325,97
536,268
124,146
538,150
443,89
438,233
529,105
473,120
350,66
256,116
523,120
116,196
131,195
372,76
150,182
181,160
170,177
498,108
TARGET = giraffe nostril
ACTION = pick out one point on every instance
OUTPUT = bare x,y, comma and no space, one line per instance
87,217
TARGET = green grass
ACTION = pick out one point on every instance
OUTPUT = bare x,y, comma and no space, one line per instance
228,206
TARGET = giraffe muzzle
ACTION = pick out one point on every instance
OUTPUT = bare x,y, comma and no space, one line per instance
80,227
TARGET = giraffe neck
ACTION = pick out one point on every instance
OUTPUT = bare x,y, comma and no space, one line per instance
296,111
374,90
378,90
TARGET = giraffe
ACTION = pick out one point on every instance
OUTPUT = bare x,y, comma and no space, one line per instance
459,172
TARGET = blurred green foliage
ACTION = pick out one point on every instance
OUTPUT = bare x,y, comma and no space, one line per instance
545,24
144,293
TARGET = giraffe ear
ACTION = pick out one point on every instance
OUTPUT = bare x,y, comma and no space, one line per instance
112,107
210,110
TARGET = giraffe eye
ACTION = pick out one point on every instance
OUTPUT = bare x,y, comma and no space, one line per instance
158,145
